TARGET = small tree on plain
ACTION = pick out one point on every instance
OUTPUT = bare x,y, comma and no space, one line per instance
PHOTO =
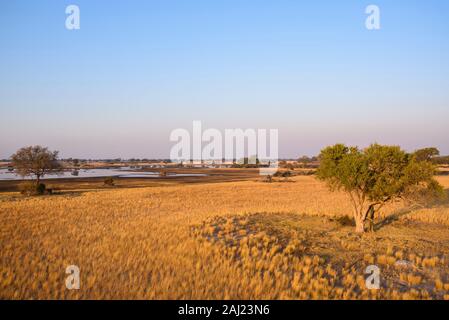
35,161
426,154
109,182
375,176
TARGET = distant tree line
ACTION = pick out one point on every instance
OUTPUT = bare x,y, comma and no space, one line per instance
432,154
442,160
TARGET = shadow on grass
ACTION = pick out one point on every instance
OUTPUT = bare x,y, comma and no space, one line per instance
443,202
69,194
391,218
54,195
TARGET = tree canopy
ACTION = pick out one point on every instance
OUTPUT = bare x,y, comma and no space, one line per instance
426,154
35,161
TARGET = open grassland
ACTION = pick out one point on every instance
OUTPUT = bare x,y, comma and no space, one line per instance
230,240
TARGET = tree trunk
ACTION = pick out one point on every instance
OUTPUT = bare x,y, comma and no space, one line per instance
359,224
370,217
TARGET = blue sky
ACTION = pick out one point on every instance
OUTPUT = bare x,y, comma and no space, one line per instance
136,70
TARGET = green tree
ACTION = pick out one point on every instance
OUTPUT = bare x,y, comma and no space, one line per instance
375,176
35,161
304,159
426,154
76,162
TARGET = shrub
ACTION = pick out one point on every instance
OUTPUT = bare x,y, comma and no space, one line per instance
40,189
286,174
283,174
31,188
268,179
277,174
109,182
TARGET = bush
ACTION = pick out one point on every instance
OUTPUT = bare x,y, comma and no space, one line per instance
286,174
109,182
268,179
283,174
31,188
40,189
277,174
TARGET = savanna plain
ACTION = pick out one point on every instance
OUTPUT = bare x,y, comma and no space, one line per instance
289,239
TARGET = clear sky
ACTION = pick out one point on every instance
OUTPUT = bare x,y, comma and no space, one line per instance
136,70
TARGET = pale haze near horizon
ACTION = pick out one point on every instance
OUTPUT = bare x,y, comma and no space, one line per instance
137,70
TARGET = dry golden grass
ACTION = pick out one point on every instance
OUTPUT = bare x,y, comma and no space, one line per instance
234,240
